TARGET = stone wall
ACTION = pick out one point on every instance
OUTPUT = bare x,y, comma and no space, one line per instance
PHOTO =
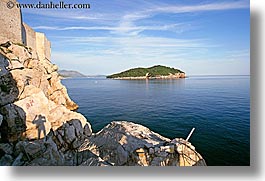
13,29
30,36
43,46
47,50
10,23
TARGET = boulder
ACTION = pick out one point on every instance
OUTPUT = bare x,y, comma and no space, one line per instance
36,111
18,160
1,119
28,91
20,51
59,114
8,86
95,162
188,156
14,122
127,143
58,93
6,160
87,130
28,77
33,149
4,63
42,115
31,63
15,64
120,139
7,148
69,133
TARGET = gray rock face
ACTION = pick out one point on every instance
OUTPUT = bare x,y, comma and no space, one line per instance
126,143
8,86
35,108
6,160
7,148
1,119
32,99
18,62
13,125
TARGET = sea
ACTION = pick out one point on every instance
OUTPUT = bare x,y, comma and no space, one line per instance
218,107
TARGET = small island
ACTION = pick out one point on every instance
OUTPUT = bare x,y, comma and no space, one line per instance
155,72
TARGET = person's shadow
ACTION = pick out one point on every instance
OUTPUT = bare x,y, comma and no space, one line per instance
39,120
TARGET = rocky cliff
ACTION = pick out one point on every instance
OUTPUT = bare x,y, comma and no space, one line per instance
35,106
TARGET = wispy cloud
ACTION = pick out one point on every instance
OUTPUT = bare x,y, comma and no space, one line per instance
141,41
117,29
130,18
203,7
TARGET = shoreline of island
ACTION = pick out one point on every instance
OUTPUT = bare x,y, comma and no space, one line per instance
154,72
178,76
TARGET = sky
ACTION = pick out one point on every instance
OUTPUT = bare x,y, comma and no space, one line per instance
206,37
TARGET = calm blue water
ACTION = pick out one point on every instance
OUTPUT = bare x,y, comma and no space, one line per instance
217,106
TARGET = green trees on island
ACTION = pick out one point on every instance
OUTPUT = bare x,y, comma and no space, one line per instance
156,70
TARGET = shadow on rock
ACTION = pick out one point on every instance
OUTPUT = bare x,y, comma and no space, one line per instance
13,117
39,120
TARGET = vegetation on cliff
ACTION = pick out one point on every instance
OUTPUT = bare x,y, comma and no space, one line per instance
157,70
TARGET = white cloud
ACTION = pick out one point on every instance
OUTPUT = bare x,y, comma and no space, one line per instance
128,20
203,7
109,28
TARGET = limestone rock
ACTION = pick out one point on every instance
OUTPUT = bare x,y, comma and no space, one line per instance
59,114
38,153
13,122
36,111
118,140
7,148
4,63
69,133
58,93
8,86
34,149
27,70
20,51
1,119
42,115
187,154
28,91
28,77
87,130
18,160
16,65
6,160
127,143
95,162
31,63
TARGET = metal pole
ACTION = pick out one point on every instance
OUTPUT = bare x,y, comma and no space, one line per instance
187,139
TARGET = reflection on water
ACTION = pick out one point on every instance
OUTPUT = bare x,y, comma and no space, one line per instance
169,83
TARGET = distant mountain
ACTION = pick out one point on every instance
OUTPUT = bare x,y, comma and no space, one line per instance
155,72
70,73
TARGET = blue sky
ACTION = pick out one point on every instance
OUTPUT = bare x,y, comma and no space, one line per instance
199,37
